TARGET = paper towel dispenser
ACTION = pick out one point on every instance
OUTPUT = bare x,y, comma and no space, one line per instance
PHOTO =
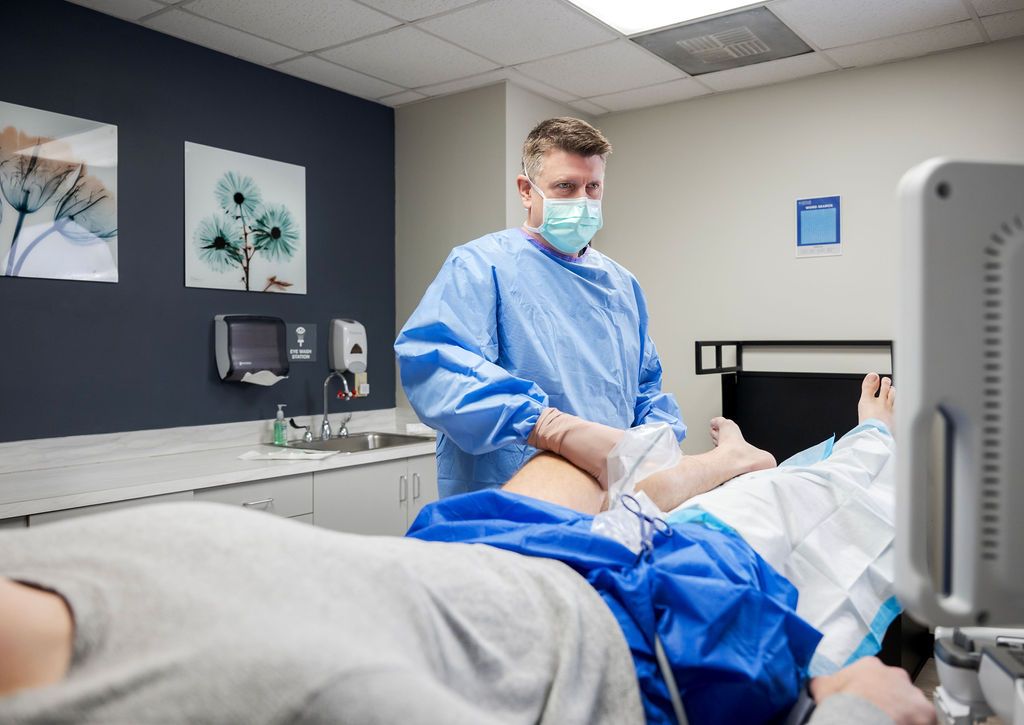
348,346
251,348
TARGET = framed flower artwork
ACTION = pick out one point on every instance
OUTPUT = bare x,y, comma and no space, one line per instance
245,222
58,196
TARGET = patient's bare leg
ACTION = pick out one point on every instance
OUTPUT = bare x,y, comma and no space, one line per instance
550,477
693,475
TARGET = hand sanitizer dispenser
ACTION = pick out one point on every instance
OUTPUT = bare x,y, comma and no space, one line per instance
348,346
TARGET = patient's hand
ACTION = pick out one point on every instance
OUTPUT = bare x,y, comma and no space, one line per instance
887,688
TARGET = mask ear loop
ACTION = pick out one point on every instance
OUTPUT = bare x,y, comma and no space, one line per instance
535,230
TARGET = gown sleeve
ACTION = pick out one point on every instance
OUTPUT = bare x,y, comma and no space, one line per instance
446,355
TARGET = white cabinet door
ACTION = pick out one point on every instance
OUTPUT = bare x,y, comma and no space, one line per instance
287,496
423,482
18,522
370,499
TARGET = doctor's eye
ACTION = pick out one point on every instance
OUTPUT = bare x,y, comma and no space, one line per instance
565,186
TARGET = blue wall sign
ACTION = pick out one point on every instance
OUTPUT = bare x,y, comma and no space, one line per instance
817,227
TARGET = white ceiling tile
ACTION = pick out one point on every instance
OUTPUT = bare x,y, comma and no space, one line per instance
327,74
531,84
464,84
587,107
219,37
762,74
496,76
994,7
515,31
830,23
662,93
409,57
1007,25
608,68
303,24
907,46
127,9
416,9
402,98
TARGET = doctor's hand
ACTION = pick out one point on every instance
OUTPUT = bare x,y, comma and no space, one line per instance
584,444
887,688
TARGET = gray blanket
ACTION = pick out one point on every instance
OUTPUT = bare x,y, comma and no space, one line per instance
205,613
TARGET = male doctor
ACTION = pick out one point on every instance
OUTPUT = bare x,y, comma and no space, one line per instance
530,338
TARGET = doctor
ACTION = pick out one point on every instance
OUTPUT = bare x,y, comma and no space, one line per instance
530,338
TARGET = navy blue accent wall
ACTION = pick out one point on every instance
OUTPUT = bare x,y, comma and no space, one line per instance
85,357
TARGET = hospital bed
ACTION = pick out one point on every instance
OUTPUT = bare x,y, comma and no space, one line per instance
786,412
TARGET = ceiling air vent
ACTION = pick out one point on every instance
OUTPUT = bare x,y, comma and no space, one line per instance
728,41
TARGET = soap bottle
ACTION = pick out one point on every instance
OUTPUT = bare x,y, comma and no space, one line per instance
280,427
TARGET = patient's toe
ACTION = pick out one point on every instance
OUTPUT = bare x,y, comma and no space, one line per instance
869,386
877,398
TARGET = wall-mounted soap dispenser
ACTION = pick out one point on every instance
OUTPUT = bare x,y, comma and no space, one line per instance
348,353
250,348
348,346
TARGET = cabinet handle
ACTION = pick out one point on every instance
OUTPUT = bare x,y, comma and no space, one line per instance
403,488
415,486
262,501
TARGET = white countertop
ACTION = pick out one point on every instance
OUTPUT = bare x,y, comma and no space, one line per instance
71,485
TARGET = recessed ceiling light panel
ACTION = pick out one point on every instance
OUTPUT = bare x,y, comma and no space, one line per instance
729,41
639,16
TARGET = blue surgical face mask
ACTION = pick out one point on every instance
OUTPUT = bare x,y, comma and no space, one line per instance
569,224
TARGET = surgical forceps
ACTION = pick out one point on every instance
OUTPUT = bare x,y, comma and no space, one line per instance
649,525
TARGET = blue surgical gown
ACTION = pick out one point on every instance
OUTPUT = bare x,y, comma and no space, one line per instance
509,328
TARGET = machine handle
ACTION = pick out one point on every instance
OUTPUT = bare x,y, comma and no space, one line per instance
260,502
929,600
415,486
403,488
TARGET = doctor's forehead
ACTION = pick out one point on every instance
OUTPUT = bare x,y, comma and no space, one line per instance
565,164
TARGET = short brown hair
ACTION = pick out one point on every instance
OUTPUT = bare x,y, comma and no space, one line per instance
572,135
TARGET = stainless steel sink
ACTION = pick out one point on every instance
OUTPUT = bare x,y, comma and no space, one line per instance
359,442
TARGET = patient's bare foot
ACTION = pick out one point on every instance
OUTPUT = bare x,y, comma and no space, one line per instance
880,407
699,473
729,440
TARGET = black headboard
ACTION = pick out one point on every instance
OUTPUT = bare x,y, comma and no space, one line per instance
783,412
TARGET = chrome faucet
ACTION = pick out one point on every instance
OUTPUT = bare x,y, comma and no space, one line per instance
325,425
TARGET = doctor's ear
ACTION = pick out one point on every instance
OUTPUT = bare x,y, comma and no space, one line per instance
524,188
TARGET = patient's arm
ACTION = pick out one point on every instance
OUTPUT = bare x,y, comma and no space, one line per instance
887,688
36,633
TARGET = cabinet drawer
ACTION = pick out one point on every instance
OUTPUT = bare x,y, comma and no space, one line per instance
289,496
51,516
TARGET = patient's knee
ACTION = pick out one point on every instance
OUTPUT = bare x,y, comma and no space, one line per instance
551,478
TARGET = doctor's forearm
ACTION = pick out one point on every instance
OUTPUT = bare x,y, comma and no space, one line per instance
581,442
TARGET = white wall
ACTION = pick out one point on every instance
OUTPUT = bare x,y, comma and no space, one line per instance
450,181
456,161
523,111
700,199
